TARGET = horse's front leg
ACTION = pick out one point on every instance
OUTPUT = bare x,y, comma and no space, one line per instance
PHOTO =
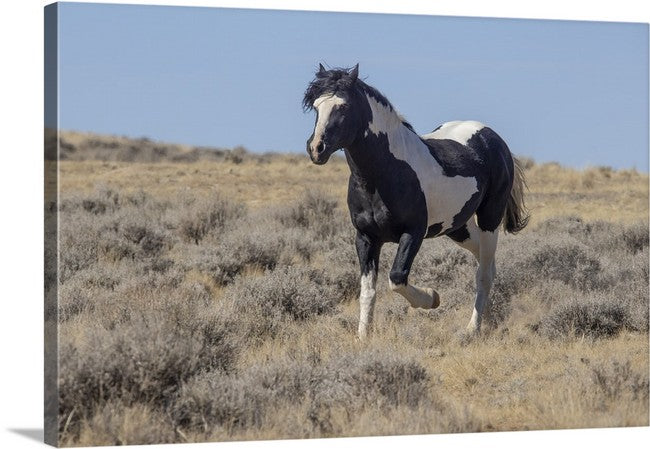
425,298
368,250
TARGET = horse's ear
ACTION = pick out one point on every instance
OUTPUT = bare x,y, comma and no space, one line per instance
321,69
354,73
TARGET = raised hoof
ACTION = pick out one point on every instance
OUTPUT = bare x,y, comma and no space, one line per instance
436,300
435,296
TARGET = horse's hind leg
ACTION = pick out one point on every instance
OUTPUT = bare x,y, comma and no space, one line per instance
482,245
484,276
467,237
425,298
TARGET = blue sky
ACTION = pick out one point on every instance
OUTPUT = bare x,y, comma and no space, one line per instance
567,91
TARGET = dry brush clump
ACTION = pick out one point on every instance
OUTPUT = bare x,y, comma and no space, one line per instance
143,356
268,303
316,212
619,381
249,247
202,217
586,317
347,384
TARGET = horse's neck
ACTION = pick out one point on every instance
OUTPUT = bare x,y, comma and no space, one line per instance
371,157
384,118
367,161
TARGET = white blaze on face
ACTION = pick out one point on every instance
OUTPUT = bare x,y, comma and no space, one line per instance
324,105
445,196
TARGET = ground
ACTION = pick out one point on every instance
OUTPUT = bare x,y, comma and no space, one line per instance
211,296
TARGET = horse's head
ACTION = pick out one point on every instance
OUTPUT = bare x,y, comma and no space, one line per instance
333,94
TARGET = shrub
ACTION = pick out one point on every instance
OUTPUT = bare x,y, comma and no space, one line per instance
80,292
234,253
341,269
101,201
205,216
73,300
445,264
144,360
316,211
253,242
237,155
566,262
572,225
79,236
352,382
265,303
211,400
603,237
296,292
635,237
617,381
594,317
385,380
128,235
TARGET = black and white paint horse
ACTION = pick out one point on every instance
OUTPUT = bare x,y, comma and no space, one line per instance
459,180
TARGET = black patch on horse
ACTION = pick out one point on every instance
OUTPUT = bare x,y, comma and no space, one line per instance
387,200
459,235
433,230
457,159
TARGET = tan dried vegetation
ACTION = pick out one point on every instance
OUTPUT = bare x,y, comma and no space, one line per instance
214,299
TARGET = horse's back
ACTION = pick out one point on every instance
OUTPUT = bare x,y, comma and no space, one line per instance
480,147
458,149
460,131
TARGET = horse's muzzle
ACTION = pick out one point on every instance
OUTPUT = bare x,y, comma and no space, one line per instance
318,154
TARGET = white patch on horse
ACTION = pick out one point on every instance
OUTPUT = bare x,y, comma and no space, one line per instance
367,302
484,276
457,130
324,105
423,298
445,196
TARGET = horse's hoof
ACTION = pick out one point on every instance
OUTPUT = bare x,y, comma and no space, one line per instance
436,299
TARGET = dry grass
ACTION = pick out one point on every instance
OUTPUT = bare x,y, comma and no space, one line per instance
215,300
597,193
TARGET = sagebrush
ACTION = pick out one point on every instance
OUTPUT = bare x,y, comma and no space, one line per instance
199,318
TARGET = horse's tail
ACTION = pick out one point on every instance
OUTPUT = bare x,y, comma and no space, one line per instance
516,215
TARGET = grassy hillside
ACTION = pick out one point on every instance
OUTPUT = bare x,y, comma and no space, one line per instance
213,297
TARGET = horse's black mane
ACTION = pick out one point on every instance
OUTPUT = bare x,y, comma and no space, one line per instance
327,82
339,80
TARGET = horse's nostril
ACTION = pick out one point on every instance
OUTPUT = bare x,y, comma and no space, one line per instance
319,147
